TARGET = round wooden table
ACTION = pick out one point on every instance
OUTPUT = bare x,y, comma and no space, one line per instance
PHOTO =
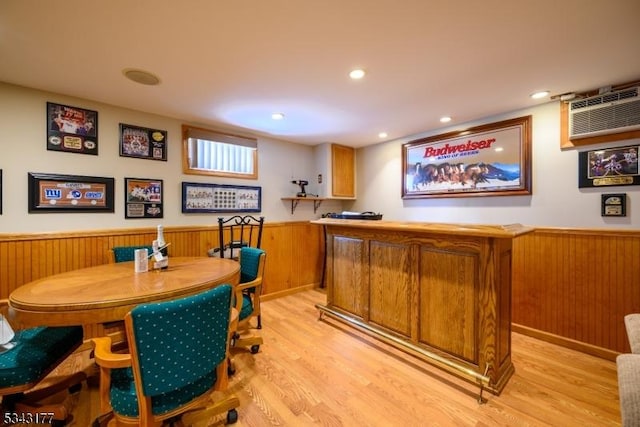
106,293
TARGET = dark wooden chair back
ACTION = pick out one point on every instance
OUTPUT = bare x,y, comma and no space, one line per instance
237,232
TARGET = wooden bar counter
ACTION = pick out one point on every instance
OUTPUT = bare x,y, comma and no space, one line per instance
441,292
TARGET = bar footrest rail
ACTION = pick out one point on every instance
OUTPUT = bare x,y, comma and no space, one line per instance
482,380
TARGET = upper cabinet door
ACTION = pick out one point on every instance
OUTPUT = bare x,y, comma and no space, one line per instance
336,171
343,171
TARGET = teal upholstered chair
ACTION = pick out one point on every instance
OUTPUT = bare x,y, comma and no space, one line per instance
248,293
127,253
177,357
30,356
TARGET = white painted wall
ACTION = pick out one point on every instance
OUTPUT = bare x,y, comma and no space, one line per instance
556,200
23,150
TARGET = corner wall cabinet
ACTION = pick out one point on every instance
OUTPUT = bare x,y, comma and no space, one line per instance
440,292
336,165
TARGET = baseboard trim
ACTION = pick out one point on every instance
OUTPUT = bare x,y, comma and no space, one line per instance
286,292
565,342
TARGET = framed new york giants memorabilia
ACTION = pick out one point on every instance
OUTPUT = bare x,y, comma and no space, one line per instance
143,198
72,129
609,167
143,143
50,193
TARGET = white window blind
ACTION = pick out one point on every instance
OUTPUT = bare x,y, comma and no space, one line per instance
222,157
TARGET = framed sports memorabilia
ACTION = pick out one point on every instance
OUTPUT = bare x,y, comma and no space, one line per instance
72,129
205,198
614,204
50,193
487,160
143,143
143,198
609,167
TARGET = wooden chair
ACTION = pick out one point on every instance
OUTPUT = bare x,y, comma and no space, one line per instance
247,297
178,354
127,253
30,356
237,232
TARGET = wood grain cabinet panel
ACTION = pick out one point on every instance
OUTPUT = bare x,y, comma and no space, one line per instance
390,287
343,171
336,171
448,307
348,272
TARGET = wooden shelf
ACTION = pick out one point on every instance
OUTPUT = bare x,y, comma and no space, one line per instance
317,201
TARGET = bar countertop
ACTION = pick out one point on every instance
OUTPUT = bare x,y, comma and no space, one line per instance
499,231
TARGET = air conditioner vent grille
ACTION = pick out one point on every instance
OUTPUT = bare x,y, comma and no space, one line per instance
604,99
604,114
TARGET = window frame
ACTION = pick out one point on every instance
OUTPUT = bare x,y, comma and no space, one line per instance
211,135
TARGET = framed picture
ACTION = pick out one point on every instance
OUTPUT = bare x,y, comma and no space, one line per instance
609,167
72,129
143,198
69,193
614,204
143,143
205,198
487,160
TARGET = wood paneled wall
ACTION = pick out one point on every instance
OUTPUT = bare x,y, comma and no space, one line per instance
570,286
574,287
294,250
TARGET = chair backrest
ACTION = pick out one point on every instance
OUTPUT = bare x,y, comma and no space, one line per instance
249,289
237,232
251,264
127,253
177,345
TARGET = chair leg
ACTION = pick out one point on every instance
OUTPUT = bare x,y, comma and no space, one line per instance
102,420
252,341
228,404
259,321
231,369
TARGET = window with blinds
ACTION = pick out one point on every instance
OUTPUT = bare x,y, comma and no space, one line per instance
207,152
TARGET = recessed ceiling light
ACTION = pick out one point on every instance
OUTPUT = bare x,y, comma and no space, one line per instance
277,116
357,74
445,119
141,76
382,135
539,95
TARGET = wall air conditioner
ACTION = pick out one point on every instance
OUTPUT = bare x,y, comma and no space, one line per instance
612,112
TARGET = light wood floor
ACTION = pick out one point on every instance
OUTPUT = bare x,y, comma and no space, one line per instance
312,372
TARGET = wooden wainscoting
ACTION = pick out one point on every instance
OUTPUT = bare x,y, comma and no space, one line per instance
294,261
573,287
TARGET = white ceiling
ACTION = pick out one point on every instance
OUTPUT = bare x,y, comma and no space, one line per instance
230,64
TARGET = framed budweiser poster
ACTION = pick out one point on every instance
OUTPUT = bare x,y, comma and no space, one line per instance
487,160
